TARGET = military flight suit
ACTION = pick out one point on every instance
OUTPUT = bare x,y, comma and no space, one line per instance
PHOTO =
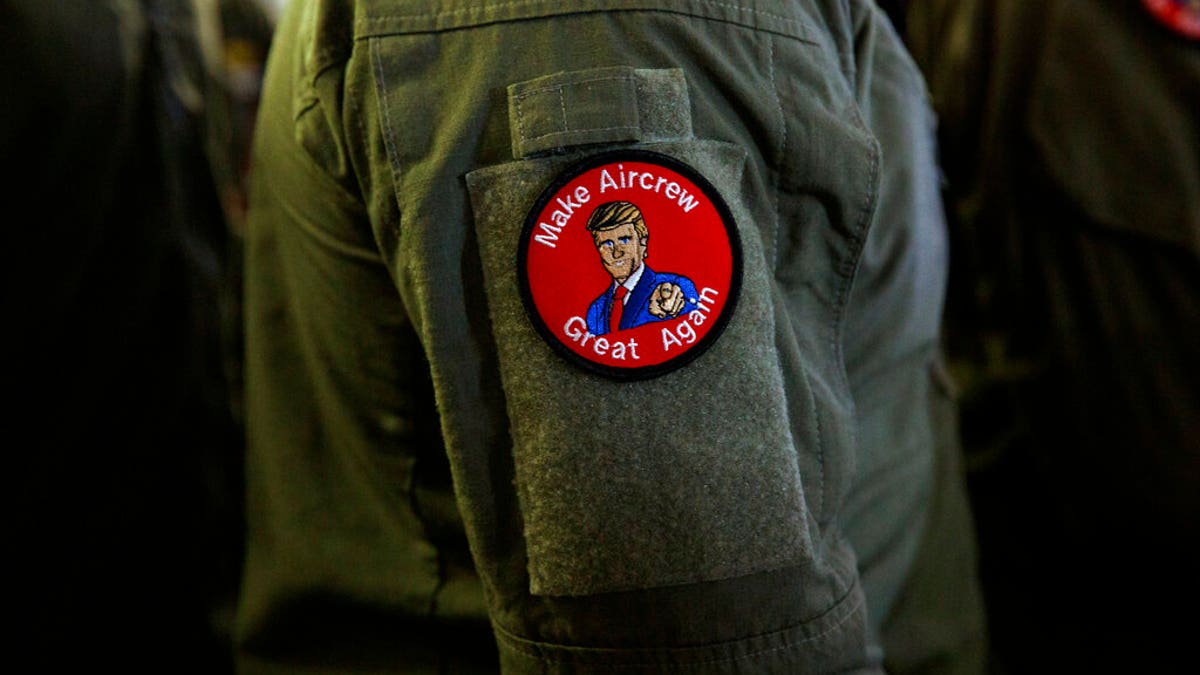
430,481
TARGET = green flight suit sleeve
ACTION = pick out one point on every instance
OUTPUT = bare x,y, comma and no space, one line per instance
909,476
419,457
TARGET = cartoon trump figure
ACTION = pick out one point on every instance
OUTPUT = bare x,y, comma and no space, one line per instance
637,295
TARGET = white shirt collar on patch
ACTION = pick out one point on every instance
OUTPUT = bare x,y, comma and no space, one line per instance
631,282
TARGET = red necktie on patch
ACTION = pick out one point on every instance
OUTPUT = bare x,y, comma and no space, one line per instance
618,306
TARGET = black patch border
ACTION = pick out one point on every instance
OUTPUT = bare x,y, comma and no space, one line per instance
735,248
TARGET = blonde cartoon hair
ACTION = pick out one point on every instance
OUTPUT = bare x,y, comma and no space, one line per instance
615,214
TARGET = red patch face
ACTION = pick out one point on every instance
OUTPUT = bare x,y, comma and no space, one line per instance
1182,16
630,264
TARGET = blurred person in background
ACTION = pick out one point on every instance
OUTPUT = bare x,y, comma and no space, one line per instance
119,135
1071,143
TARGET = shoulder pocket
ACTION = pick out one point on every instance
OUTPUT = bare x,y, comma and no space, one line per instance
678,475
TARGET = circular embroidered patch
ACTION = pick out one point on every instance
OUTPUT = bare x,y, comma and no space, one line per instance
1182,16
630,264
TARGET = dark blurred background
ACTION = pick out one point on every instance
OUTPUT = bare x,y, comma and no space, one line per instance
123,136
1070,143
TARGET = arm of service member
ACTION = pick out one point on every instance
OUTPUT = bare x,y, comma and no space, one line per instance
443,451
908,475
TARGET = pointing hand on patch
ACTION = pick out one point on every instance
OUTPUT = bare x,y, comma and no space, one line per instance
667,300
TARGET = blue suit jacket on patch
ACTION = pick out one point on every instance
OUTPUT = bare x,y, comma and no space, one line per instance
637,309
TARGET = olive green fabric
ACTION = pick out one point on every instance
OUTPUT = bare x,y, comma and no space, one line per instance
1073,178
422,465
937,625
598,105
588,536
911,578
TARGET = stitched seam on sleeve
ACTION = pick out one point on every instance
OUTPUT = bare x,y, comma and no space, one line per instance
392,151
580,131
561,85
781,151
517,646
524,3
521,140
781,158
562,106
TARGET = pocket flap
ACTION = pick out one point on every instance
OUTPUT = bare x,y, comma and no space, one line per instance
634,485
598,105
